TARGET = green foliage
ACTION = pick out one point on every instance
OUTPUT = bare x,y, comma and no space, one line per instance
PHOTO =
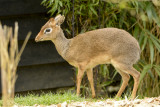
140,18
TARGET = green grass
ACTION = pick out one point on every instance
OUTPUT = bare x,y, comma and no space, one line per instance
50,98
46,99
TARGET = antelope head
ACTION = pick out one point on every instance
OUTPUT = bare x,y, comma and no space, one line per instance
51,29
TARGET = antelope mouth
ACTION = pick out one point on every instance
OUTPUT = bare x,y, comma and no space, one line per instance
38,40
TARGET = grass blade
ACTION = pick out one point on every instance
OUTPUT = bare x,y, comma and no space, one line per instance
157,69
146,68
151,51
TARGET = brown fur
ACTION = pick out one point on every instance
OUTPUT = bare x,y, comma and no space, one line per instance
101,46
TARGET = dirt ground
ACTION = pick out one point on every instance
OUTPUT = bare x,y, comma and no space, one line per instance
146,102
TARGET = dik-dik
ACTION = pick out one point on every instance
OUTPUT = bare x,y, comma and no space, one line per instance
102,46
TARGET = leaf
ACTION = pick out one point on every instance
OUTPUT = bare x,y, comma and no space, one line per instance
97,3
60,3
56,3
144,42
59,9
153,36
43,2
157,45
115,73
155,40
52,11
103,72
92,9
145,70
69,32
155,17
157,21
136,3
81,7
151,51
149,12
136,32
141,38
114,15
137,67
106,83
151,74
157,69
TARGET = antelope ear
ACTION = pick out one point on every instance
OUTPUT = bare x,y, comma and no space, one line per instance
59,19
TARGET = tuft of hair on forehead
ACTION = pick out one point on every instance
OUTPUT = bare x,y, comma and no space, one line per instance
58,20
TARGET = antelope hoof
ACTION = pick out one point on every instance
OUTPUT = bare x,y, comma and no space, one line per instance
117,97
93,96
77,95
133,97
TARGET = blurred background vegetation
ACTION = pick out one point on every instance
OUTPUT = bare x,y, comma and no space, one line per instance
138,17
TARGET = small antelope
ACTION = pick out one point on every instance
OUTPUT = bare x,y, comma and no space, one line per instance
101,46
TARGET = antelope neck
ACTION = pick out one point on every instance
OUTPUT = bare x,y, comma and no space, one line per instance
61,44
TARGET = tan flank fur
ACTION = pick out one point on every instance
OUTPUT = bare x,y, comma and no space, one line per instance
102,46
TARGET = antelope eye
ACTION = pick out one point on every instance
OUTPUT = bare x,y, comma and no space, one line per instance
47,30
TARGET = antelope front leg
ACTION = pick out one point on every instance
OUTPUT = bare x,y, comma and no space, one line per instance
90,78
79,79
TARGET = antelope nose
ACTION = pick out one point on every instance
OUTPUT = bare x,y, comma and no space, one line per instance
36,39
